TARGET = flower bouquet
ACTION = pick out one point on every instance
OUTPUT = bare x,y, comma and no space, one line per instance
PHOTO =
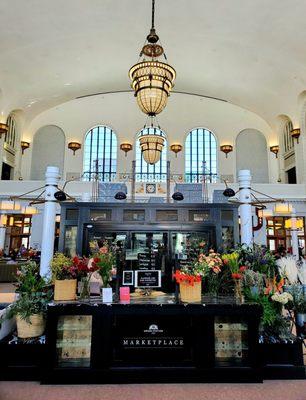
232,261
104,262
212,265
64,276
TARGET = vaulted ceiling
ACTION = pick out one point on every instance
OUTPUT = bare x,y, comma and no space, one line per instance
249,52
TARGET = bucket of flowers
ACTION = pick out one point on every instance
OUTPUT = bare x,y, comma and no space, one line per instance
189,278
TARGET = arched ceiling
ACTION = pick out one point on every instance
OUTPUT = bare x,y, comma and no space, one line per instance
250,53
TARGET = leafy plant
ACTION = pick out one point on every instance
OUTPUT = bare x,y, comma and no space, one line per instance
34,293
258,258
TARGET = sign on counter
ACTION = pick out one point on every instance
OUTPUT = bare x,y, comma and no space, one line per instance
148,279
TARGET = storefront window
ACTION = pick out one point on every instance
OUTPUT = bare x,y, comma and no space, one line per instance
70,240
278,237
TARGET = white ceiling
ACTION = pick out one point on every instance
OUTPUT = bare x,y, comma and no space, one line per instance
249,52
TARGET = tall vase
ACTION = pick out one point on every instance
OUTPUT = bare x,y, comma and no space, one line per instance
238,290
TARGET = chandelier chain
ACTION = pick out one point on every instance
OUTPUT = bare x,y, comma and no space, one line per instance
153,13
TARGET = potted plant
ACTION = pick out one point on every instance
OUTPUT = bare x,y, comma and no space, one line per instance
64,277
30,307
189,278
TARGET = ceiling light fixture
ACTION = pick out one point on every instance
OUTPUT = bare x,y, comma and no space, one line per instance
152,80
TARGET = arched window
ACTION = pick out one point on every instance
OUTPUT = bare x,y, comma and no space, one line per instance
200,155
100,154
287,138
146,172
11,135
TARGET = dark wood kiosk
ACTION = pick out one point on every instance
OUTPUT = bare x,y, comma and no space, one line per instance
153,340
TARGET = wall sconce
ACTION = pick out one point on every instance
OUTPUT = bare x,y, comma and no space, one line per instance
3,129
275,150
126,147
295,134
226,148
24,146
176,148
74,146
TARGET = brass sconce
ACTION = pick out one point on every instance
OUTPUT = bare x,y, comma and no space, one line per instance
126,147
295,134
24,146
176,148
74,146
226,148
275,150
3,129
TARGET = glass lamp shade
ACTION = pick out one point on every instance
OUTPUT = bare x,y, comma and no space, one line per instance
8,205
151,148
294,223
152,82
283,208
29,210
265,213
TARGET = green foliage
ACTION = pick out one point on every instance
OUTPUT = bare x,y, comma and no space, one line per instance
34,292
259,259
29,304
60,267
298,304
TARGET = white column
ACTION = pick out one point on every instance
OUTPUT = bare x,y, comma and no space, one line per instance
245,210
47,243
294,236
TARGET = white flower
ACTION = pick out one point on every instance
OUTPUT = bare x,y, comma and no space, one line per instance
282,298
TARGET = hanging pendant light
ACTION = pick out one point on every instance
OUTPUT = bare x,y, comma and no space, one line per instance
151,143
152,80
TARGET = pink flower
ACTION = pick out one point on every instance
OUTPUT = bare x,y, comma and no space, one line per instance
103,250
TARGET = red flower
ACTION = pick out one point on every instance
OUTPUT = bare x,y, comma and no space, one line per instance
225,261
96,259
236,276
243,268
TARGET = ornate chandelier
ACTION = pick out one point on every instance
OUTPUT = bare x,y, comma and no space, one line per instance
152,80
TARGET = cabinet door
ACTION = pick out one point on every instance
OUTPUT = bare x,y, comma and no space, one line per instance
73,341
231,342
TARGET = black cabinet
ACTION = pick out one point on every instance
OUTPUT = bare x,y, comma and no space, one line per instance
152,342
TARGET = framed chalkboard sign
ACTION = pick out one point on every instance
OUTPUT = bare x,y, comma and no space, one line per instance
148,279
128,278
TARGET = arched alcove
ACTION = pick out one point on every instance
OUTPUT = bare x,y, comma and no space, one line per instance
48,149
251,153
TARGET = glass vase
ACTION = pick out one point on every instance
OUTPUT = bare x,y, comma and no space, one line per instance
238,290
85,288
